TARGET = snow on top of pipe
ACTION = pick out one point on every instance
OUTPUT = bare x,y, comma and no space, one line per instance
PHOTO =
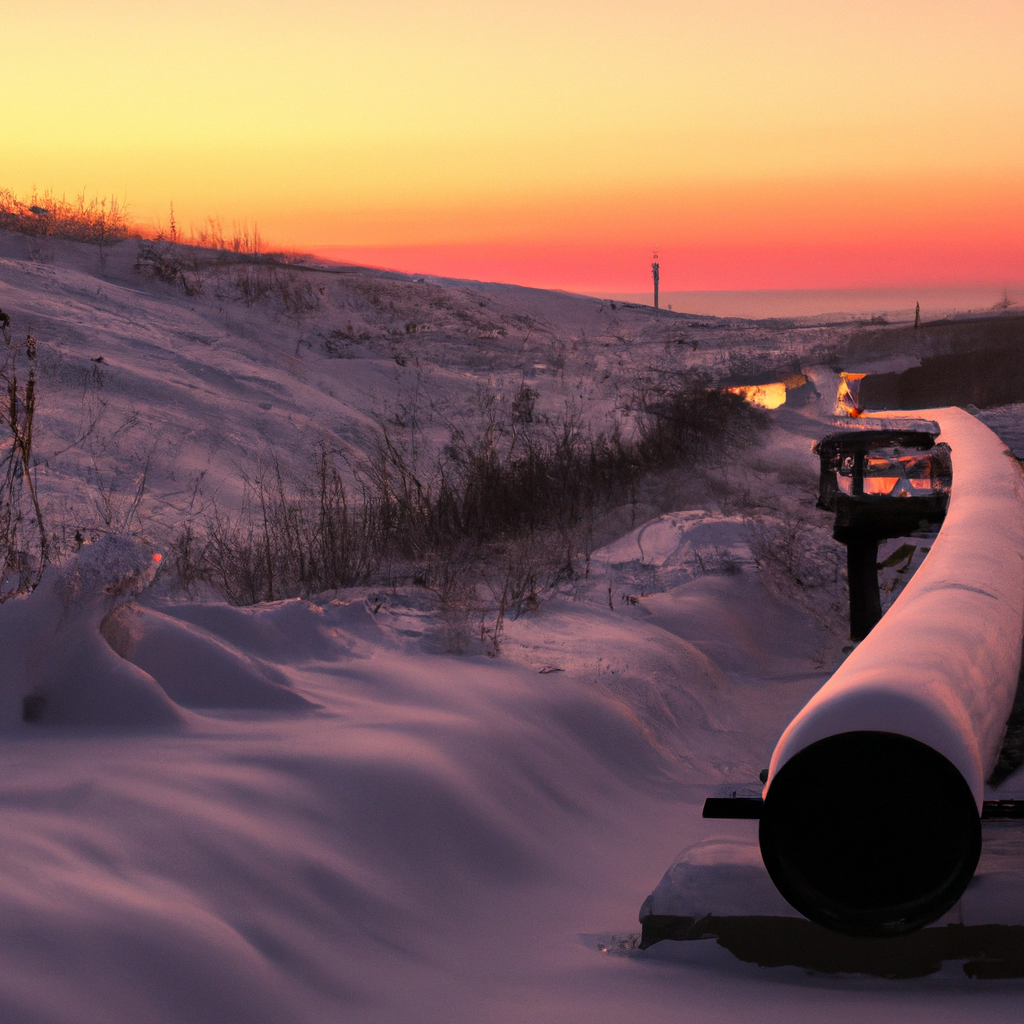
942,664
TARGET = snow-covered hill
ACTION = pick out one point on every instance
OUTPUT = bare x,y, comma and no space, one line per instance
306,811
275,356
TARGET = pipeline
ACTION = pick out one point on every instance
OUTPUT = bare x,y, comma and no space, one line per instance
870,823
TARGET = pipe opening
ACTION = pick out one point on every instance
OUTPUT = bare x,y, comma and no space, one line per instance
870,833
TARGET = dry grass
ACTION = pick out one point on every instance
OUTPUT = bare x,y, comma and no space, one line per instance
98,221
235,267
167,254
24,544
509,511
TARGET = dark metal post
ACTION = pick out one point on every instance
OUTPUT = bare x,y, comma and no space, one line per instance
858,475
862,574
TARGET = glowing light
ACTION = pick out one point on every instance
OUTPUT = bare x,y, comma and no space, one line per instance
767,396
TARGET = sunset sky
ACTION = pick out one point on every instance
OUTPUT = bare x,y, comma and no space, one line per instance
755,145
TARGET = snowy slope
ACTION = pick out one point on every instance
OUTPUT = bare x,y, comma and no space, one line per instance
303,811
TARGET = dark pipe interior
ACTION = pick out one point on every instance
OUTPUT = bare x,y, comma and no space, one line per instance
870,833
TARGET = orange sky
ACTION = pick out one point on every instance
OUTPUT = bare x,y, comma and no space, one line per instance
790,145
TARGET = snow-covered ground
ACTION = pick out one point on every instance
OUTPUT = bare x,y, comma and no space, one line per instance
306,811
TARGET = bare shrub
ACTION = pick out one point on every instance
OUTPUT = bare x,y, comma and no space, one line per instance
474,508
245,276
714,560
98,221
452,575
23,538
242,241
298,295
186,559
524,403
520,573
231,559
281,544
119,509
34,533
254,283
507,512
688,420
172,263
796,557
506,483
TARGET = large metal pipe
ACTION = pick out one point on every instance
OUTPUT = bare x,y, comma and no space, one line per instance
870,823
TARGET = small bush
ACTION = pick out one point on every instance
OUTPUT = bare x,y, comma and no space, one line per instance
171,263
511,509
99,221
247,278
524,403
281,544
253,284
797,558
299,296
24,542
691,422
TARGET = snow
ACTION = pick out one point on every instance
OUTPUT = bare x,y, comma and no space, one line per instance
686,541
53,645
304,811
723,876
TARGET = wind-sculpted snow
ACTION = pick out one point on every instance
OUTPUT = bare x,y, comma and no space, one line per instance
194,668
57,665
291,867
76,654
665,684
288,631
682,544
432,838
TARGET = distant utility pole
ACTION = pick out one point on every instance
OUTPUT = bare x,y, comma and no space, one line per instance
655,270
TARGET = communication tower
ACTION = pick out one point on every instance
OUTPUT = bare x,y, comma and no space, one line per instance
656,272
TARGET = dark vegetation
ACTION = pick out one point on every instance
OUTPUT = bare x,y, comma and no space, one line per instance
984,377
229,272
939,337
235,267
24,543
98,221
511,507
173,264
31,535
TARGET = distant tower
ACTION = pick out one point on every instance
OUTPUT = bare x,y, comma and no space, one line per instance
655,270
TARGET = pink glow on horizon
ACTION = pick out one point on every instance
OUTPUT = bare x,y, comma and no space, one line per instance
593,269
